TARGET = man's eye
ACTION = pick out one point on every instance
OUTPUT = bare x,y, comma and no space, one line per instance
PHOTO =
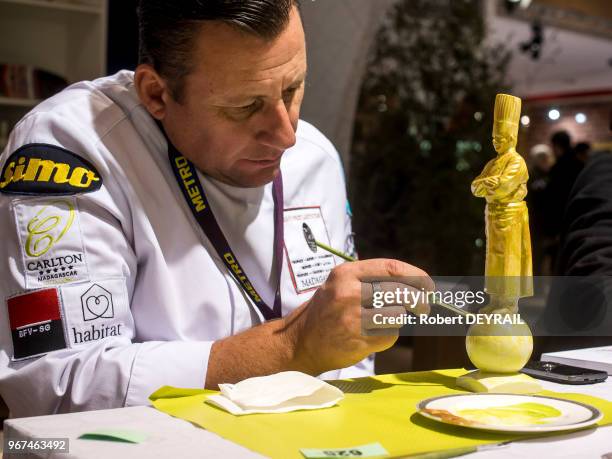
289,93
249,107
243,112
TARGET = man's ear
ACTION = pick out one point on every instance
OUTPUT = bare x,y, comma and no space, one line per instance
152,90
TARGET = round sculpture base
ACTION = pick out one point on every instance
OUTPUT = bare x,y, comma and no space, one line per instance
513,383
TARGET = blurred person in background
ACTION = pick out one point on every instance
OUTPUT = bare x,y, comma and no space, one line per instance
579,307
561,180
541,161
582,150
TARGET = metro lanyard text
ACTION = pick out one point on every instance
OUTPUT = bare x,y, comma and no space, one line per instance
193,191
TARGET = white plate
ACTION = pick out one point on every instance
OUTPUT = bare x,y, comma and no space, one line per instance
574,415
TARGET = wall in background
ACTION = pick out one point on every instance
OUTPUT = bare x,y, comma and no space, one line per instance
45,45
572,59
596,128
338,34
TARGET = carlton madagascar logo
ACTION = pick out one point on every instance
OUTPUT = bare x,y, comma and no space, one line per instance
46,229
48,170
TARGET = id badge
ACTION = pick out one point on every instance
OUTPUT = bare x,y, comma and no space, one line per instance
309,265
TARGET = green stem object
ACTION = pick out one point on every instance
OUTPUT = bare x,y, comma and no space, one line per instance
335,252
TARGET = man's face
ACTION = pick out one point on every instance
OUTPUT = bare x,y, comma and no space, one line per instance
543,162
241,103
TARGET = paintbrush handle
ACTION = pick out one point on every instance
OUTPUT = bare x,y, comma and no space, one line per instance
346,257
335,252
453,308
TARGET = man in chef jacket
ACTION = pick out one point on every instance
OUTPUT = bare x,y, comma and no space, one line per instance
153,222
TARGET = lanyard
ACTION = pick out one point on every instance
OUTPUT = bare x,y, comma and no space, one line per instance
191,187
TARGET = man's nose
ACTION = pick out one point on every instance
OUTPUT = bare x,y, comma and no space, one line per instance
276,130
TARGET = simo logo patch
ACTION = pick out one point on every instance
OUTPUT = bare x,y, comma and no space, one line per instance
41,169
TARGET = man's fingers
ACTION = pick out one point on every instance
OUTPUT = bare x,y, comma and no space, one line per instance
384,269
394,294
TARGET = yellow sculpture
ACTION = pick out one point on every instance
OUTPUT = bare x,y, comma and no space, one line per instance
503,183
500,351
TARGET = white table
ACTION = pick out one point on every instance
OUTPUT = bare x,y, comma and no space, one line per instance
174,438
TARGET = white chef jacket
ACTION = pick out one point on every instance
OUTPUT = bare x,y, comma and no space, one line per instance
113,293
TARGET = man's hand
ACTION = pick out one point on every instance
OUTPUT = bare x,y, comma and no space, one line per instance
323,334
326,332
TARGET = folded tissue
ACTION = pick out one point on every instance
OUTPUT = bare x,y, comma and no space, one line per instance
277,393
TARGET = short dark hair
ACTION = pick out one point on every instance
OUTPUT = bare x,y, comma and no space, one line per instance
562,140
167,29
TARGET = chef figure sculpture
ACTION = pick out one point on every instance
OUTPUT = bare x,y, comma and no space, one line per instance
503,183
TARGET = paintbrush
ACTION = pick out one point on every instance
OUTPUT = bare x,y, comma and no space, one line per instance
313,244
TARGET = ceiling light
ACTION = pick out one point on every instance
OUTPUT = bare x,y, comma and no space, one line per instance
580,118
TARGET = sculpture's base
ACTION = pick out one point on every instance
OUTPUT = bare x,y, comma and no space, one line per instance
513,383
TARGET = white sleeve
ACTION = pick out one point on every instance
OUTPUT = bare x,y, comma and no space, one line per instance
67,274
360,369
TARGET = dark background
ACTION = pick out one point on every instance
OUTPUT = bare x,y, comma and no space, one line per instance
122,36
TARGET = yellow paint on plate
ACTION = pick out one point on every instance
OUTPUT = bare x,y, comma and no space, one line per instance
525,414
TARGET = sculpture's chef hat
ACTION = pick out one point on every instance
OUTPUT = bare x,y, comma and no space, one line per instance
507,115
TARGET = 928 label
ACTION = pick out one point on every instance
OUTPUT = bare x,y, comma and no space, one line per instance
369,450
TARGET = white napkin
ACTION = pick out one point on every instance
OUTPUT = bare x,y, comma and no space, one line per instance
277,393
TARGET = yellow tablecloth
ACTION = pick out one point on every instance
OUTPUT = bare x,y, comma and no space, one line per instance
376,409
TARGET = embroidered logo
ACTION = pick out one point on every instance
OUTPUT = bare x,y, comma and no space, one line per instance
41,169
